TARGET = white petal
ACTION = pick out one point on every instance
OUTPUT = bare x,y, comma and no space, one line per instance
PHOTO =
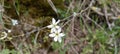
57,22
59,30
53,21
9,31
57,27
14,22
50,26
55,38
52,35
61,34
60,40
74,14
53,30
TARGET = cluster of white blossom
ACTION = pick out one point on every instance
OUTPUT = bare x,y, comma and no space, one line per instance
56,31
14,22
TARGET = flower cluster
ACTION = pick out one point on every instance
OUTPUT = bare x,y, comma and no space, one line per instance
56,31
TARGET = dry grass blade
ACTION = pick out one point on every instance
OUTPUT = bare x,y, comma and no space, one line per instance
53,6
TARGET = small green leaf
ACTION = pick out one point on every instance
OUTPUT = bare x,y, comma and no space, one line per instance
5,51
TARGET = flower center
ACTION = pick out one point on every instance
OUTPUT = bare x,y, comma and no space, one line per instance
54,25
57,34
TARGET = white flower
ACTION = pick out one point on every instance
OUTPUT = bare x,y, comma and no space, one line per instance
74,14
57,35
14,22
3,35
9,31
54,25
56,31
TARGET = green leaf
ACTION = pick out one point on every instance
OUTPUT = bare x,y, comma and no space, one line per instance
56,45
5,51
13,52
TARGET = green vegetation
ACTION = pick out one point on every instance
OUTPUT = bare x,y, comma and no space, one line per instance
90,26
